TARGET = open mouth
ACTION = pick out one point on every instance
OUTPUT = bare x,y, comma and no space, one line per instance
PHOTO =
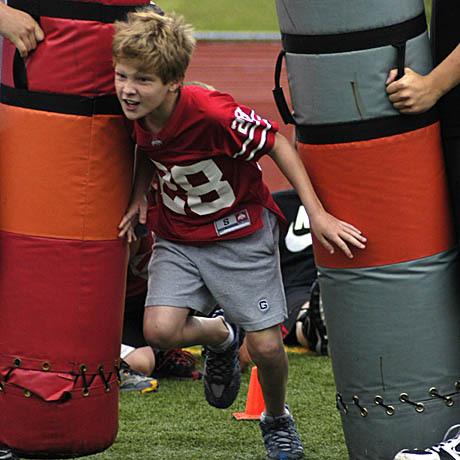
130,104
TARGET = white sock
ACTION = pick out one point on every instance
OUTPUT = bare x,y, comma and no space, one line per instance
227,342
271,418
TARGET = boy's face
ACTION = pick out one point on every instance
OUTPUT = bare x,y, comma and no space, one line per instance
140,93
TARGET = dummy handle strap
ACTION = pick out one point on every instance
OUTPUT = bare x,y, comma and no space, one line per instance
19,66
401,58
278,92
19,72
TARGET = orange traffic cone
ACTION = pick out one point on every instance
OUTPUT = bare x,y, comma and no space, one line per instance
255,404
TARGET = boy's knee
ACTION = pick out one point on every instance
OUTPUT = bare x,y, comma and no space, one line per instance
265,348
158,335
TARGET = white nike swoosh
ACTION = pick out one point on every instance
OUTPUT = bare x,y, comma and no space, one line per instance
297,243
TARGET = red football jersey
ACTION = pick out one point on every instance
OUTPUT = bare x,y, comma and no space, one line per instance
210,184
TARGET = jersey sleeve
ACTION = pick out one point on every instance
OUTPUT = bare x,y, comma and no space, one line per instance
244,134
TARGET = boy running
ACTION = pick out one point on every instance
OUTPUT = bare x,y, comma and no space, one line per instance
215,222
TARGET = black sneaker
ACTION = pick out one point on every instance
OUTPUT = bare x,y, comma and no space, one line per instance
222,374
448,449
7,454
282,442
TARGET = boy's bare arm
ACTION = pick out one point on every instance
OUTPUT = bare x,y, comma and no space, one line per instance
329,230
415,93
20,28
137,209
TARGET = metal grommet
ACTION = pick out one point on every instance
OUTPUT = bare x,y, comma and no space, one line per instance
403,397
100,368
27,393
1,386
17,362
419,407
390,410
449,401
363,412
85,393
46,366
107,389
457,385
83,368
378,400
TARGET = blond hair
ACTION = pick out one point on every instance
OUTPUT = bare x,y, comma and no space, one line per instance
159,44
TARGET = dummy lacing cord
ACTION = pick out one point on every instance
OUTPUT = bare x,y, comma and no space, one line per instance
447,399
340,404
104,379
404,398
362,410
390,410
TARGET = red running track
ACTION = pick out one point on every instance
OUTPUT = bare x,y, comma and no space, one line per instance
245,70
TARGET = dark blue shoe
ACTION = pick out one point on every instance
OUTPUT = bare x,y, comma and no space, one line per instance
222,374
281,440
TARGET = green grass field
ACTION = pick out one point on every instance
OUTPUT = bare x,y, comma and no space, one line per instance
235,15
176,423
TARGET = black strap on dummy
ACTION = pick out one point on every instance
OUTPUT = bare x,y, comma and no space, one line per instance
60,103
363,130
401,59
73,9
19,71
278,92
355,41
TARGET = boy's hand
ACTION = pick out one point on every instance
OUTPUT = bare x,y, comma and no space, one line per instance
135,214
413,93
21,29
331,231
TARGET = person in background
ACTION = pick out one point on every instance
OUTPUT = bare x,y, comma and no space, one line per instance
24,32
413,94
20,28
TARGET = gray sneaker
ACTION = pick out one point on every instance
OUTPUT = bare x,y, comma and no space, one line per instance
222,374
131,380
7,454
281,440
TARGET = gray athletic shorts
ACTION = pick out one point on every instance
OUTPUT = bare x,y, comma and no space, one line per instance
242,276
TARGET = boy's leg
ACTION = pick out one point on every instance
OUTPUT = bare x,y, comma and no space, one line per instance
267,351
278,428
172,327
141,360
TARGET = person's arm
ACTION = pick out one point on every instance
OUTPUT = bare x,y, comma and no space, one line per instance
329,230
137,209
20,28
415,93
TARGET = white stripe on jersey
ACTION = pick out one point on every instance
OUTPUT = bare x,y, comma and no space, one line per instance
263,139
251,134
242,122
